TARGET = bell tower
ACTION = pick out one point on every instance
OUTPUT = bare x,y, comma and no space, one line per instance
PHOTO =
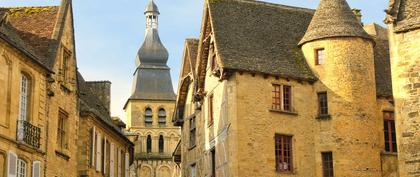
151,105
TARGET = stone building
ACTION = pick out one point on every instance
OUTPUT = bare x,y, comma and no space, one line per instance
403,19
38,92
271,90
151,105
103,148
49,114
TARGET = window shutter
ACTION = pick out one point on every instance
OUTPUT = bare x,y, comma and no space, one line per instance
12,165
104,159
36,169
92,150
127,165
119,162
98,152
111,161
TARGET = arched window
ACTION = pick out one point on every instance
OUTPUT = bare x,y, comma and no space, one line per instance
162,117
149,144
161,144
24,97
148,117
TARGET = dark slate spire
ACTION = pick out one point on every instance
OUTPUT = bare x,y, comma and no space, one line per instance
152,79
333,18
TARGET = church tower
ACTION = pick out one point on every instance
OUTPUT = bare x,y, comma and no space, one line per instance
151,105
340,54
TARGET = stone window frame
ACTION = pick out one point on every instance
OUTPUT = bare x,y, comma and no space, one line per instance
149,143
323,104
278,99
162,117
210,106
148,116
62,130
390,143
29,96
319,59
283,147
192,132
161,144
327,164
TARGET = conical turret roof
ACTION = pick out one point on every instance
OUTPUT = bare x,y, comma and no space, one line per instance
151,7
333,18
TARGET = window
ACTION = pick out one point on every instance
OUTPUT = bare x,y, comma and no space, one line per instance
149,144
65,64
192,131
161,144
283,148
162,117
327,164
389,132
61,130
322,104
287,98
282,97
148,117
193,170
25,93
21,170
211,111
92,146
213,162
319,56
276,97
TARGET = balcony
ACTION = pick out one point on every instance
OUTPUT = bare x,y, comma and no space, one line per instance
28,134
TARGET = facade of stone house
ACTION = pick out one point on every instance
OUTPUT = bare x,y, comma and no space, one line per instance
47,116
103,148
275,90
38,73
403,19
151,105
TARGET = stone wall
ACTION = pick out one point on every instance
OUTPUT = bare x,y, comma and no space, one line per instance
153,163
352,131
62,162
86,167
405,67
12,65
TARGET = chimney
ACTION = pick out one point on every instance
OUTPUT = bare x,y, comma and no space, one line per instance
102,89
358,14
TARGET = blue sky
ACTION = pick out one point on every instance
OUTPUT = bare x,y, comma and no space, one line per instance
109,33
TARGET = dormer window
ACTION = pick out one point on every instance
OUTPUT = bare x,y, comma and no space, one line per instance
148,117
319,56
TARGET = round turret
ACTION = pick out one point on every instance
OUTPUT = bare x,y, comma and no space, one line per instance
340,53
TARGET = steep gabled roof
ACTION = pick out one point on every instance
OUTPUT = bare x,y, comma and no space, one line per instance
31,29
382,59
333,18
191,49
260,37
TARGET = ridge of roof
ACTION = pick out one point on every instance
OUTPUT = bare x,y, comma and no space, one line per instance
257,2
333,18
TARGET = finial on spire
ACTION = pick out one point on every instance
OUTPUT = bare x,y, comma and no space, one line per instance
151,8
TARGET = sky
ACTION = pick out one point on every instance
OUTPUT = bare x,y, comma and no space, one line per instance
109,32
